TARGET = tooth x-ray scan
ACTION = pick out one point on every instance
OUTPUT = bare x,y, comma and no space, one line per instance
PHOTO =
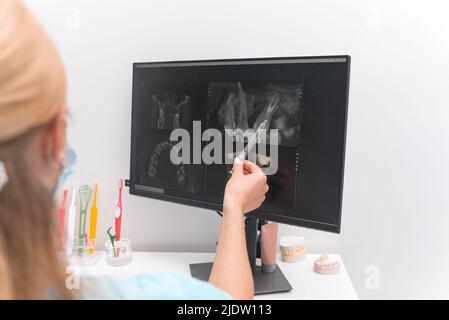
226,106
303,99
243,105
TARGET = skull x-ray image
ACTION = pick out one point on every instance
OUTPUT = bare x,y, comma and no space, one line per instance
170,110
167,107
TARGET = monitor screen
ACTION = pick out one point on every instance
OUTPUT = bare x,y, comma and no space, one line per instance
190,119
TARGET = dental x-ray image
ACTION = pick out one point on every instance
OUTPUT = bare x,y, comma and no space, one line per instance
259,105
166,108
162,173
171,110
220,105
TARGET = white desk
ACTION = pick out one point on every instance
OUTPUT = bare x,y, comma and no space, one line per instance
305,282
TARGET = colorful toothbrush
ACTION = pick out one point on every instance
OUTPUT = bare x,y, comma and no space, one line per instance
71,224
85,193
118,214
93,222
61,222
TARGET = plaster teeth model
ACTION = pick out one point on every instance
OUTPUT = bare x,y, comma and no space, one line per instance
324,265
293,249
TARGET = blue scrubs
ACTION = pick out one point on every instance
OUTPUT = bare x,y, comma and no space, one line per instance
170,286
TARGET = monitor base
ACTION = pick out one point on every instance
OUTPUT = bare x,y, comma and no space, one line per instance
263,282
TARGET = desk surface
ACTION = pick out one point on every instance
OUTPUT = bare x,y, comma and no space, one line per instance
305,282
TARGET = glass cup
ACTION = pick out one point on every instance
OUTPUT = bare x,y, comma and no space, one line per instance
79,248
119,253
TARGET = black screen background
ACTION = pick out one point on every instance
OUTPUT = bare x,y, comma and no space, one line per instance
322,143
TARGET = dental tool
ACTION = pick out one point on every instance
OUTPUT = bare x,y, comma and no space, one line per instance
93,222
112,239
253,140
266,115
61,221
71,224
85,193
262,127
118,214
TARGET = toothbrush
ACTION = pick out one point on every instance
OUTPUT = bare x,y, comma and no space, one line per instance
71,224
62,216
118,214
93,222
85,193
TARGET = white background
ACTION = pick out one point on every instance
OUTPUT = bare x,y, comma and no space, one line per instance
396,191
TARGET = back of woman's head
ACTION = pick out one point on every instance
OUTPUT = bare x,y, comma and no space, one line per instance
32,92
32,81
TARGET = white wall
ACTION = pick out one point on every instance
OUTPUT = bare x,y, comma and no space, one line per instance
396,196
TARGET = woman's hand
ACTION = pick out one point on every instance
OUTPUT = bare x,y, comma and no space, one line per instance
244,192
246,189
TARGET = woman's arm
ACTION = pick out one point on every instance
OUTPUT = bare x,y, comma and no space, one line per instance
245,192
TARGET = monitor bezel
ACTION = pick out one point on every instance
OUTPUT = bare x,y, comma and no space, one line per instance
260,213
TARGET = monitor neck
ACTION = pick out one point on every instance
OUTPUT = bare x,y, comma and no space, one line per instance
252,226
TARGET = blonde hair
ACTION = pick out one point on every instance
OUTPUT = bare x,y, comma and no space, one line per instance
32,92
32,80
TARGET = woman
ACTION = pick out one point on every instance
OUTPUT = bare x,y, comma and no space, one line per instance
32,154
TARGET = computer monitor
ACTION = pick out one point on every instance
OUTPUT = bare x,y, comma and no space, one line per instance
304,98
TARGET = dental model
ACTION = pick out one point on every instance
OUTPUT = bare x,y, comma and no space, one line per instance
324,265
293,249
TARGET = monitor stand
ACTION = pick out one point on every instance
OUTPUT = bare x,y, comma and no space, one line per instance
263,282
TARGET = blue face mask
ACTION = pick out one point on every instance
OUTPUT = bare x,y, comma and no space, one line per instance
67,169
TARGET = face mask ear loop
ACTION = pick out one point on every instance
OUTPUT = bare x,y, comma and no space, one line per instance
3,175
67,168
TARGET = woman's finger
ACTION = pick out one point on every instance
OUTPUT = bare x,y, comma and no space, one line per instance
252,167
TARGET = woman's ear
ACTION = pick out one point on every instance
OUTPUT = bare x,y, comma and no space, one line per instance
54,142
